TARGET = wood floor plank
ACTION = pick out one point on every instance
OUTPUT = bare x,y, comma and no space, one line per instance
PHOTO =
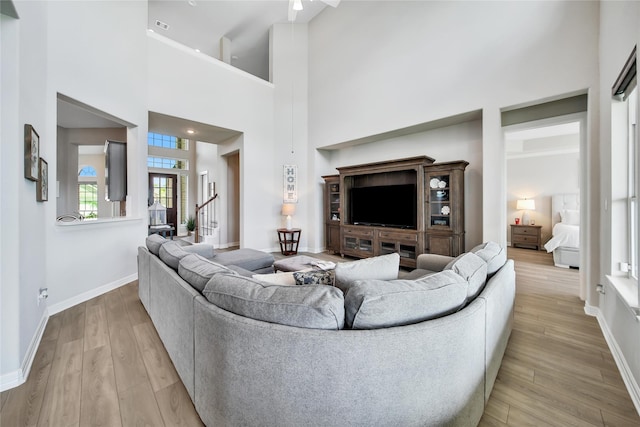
127,361
61,404
159,366
96,332
176,407
73,322
138,406
99,404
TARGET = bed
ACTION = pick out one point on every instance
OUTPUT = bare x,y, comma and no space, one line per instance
565,221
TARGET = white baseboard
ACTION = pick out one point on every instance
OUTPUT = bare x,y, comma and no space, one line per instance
86,296
618,356
19,376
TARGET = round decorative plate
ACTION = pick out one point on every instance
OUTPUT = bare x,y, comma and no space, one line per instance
434,182
442,184
445,210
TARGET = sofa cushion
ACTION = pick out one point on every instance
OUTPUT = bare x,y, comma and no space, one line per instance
384,267
197,270
318,277
493,254
154,242
371,304
249,259
171,253
314,307
473,269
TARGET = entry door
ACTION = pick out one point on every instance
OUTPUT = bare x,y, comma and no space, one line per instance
163,188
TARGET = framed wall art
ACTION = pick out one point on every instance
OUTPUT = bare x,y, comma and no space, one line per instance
42,185
31,153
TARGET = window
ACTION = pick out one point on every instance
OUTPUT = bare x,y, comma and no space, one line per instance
165,163
625,172
167,141
88,171
88,200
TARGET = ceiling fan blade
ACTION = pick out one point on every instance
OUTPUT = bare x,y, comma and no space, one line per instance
332,3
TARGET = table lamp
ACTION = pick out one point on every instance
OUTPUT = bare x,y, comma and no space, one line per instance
526,205
288,209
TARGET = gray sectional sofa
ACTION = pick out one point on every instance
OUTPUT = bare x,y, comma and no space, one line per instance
372,351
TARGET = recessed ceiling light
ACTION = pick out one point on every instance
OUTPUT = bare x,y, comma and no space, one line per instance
234,56
192,3
191,131
150,30
198,50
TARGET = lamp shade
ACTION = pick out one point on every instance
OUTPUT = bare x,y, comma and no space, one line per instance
288,209
526,204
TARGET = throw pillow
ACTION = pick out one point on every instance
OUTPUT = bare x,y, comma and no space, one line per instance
202,249
570,217
493,254
314,307
372,304
314,278
197,270
154,242
384,267
473,269
285,279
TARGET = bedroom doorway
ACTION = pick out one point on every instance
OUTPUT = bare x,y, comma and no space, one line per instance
544,167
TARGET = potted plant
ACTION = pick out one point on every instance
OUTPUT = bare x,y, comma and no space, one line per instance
191,225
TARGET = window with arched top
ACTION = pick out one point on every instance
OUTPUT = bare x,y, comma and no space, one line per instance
88,171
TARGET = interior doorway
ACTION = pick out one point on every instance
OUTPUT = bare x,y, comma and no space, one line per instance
233,198
544,167
163,188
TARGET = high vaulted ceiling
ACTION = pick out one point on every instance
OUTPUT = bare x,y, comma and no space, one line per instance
200,24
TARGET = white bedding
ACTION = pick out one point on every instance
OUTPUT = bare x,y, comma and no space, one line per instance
564,235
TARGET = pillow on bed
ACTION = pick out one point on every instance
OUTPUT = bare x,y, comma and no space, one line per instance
570,217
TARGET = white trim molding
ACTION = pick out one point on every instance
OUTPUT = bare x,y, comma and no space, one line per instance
19,376
625,371
86,296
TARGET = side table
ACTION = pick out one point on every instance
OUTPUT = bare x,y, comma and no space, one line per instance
289,239
526,236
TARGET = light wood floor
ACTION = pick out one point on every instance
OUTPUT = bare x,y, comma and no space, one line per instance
102,363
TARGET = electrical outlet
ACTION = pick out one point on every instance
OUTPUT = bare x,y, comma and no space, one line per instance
43,294
624,267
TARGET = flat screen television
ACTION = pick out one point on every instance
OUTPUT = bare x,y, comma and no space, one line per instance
384,206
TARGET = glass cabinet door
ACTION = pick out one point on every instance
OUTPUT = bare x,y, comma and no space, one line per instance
439,207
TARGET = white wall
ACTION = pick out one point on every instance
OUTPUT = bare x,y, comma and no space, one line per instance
218,94
539,178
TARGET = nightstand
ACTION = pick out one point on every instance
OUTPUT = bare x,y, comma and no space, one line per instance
528,236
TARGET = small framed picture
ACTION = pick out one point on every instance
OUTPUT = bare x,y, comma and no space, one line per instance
31,153
42,185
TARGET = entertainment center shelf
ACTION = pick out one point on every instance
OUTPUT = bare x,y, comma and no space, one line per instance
407,206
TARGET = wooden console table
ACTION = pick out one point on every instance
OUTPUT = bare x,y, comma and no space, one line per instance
289,239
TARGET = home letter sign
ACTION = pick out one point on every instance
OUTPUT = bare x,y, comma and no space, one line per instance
290,184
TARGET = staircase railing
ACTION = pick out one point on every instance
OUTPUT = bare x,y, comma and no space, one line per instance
204,215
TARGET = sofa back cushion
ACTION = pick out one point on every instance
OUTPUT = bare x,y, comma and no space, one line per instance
493,254
372,304
197,270
310,306
171,253
154,242
473,269
384,267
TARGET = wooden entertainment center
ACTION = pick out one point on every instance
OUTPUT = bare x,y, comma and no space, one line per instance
438,226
